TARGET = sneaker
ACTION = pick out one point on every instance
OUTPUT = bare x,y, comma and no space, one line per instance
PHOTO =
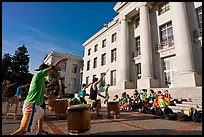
42,133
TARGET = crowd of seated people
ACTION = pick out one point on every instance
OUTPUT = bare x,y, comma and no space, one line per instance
141,99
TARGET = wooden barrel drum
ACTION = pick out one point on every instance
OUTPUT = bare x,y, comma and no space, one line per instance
113,108
61,107
79,118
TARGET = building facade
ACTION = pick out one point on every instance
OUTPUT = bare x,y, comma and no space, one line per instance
70,70
148,45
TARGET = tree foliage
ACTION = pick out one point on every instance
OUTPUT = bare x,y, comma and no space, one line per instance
21,60
15,68
6,66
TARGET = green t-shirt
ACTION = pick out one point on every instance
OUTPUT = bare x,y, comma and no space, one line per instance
76,101
123,99
106,91
37,88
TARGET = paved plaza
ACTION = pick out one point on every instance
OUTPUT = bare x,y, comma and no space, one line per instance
127,123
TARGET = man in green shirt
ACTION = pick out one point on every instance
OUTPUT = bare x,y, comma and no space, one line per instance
32,111
106,94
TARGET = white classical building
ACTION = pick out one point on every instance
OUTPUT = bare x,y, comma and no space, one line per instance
70,70
148,45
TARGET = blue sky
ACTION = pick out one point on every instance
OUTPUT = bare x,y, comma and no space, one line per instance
51,26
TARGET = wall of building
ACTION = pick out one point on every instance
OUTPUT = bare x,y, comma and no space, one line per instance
130,10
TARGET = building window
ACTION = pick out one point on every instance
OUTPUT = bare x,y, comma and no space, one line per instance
103,43
89,52
96,48
137,21
164,7
137,46
73,83
113,78
103,59
169,67
113,38
63,68
94,76
102,83
87,80
166,33
88,65
199,15
74,68
95,62
138,66
113,55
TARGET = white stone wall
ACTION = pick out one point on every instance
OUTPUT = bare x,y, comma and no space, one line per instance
126,15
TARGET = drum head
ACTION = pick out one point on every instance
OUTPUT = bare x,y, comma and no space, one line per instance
79,107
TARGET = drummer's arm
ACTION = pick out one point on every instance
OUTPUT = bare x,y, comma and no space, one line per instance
87,85
101,95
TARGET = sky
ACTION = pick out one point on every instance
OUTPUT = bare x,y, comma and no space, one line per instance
44,27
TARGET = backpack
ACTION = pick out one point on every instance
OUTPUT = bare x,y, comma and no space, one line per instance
182,117
168,110
197,115
157,111
171,116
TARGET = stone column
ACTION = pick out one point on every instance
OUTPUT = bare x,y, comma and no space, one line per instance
123,49
186,75
147,80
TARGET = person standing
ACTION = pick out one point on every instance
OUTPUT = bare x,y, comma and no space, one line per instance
32,110
83,93
94,93
106,94
19,91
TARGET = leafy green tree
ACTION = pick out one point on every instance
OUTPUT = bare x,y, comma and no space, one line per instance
21,60
6,66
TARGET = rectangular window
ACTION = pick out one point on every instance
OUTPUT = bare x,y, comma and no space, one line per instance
138,66
63,68
94,76
96,48
103,43
137,46
103,59
102,83
74,68
95,62
199,15
113,55
166,33
73,83
164,7
87,80
137,21
113,38
88,65
113,78
89,52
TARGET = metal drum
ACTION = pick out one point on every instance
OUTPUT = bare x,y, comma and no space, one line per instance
79,119
113,108
61,106
98,101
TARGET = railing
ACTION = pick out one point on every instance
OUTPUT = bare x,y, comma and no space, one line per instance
165,44
136,54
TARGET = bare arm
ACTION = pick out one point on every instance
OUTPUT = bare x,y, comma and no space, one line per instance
96,83
56,65
67,85
87,85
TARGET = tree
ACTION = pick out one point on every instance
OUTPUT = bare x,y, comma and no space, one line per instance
21,60
6,66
